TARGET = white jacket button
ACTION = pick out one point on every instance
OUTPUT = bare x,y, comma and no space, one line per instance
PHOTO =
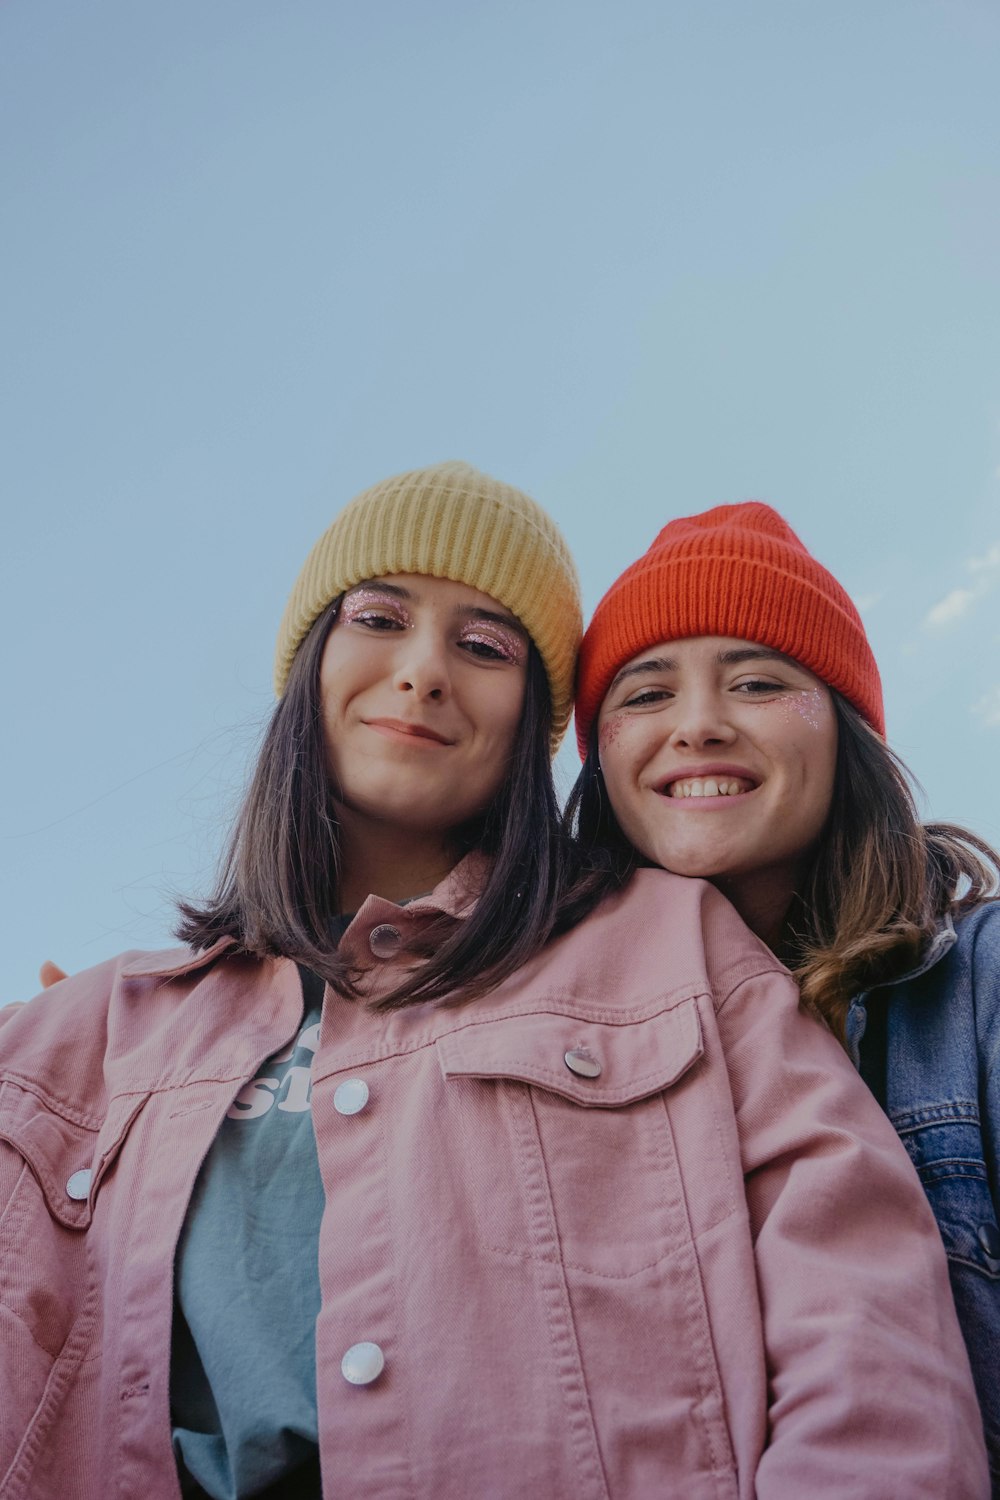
581,1060
362,1364
351,1096
383,940
78,1185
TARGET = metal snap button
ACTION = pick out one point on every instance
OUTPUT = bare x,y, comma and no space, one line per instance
581,1060
384,939
78,1186
362,1364
351,1096
988,1236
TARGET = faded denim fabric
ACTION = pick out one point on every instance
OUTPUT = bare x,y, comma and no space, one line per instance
938,1079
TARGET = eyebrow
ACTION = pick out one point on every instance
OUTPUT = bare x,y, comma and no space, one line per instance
732,658
461,611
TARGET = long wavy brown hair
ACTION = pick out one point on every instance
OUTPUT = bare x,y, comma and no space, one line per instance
879,883
277,891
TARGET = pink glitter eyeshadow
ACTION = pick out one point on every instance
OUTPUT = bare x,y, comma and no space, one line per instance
363,600
510,643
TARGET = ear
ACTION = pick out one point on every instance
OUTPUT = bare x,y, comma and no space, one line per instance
50,974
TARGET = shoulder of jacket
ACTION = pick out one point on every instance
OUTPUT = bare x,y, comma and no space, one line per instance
659,931
732,953
168,963
982,925
78,1006
87,988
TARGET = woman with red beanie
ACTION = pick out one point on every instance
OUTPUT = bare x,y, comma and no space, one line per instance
730,717
437,1165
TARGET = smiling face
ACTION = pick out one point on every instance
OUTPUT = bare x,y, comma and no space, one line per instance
422,683
719,758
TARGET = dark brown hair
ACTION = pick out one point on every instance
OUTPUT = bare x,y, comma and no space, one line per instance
880,881
277,890
878,885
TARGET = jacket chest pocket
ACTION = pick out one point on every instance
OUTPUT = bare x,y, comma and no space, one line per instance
569,1123
945,1144
52,1168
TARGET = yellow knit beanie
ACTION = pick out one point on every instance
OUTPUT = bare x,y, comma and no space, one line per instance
450,521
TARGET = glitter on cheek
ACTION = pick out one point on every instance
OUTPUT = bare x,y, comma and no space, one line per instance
608,733
362,601
808,706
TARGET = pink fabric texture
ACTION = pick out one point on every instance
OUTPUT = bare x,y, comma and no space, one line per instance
706,1271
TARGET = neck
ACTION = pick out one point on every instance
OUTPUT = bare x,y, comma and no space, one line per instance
763,900
389,862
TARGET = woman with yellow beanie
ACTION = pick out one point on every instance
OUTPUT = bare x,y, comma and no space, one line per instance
731,722
438,1165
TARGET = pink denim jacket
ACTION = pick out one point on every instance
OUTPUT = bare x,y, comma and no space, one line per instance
628,1227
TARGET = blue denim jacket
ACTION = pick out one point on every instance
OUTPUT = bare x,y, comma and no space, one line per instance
928,1046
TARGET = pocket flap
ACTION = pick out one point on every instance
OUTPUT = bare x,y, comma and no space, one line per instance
557,1053
67,1158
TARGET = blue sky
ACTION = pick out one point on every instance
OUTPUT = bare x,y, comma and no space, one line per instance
638,260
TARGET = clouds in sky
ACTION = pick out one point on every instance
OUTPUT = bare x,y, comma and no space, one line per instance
988,563
988,708
952,607
985,571
960,602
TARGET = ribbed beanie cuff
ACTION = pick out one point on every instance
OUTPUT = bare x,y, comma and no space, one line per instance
449,521
740,571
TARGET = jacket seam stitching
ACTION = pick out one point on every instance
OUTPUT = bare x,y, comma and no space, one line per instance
762,973
64,1110
539,1072
576,1396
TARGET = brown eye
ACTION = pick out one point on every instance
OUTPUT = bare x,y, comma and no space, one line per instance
648,695
482,648
374,609
494,643
756,687
376,621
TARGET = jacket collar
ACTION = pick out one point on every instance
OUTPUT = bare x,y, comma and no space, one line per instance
455,896
944,939
942,942
173,962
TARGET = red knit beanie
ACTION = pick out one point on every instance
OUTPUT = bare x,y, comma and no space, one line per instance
736,570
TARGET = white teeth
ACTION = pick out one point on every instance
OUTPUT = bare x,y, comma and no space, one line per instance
709,786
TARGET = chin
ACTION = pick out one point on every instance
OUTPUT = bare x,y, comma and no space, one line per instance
693,867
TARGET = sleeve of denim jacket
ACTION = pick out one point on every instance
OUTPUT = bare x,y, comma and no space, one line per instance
986,990
870,1392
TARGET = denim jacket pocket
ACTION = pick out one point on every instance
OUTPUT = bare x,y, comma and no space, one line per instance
592,1063
572,1114
591,1202
944,1142
68,1153
53,1161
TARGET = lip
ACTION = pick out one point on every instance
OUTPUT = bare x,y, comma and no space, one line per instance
408,730
714,769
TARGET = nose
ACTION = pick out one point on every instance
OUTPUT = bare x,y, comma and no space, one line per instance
422,667
701,722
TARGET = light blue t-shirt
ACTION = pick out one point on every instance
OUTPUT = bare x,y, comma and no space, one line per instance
246,1291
